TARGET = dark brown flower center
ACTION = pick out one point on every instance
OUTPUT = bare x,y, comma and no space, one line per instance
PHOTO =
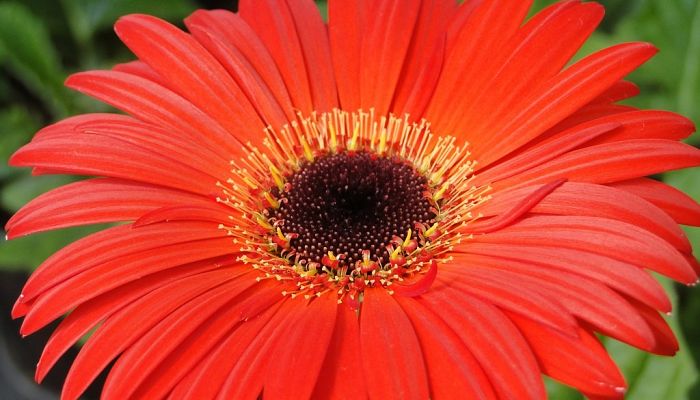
350,202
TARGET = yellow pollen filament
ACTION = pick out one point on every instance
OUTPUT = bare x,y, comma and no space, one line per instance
333,139
382,143
277,177
249,182
441,192
262,221
408,238
271,200
431,231
352,144
308,154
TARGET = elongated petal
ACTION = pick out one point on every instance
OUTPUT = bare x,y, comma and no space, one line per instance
205,380
273,22
590,301
392,360
345,30
609,238
582,363
294,373
143,357
343,377
584,199
385,43
88,315
511,296
480,45
612,162
681,207
109,244
496,343
568,91
191,71
621,276
451,367
105,156
129,324
153,103
226,29
107,276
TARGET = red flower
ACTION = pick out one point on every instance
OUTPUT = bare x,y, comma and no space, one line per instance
281,240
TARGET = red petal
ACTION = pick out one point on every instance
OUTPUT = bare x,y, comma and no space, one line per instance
211,213
345,27
566,93
424,58
583,199
610,238
144,357
155,104
236,36
510,296
106,156
611,162
593,302
246,379
419,286
209,28
665,342
88,315
342,369
621,90
111,243
474,56
205,380
74,204
191,71
140,69
545,151
392,361
273,23
385,42
451,367
681,207
524,205
493,340
104,277
623,277
129,324
582,363
297,365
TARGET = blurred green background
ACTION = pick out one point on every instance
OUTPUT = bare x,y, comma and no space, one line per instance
42,41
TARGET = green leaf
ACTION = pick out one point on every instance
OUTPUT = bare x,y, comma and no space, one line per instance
20,191
30,57
89,16
16,127
28,252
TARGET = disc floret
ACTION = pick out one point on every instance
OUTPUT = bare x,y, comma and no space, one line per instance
341,202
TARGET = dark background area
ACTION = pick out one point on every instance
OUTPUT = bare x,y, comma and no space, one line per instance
43,41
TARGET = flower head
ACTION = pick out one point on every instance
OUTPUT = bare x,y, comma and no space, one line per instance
414,200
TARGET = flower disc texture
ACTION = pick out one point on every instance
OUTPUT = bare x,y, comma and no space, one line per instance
416,199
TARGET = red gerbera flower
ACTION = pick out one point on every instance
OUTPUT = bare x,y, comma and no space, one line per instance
417,200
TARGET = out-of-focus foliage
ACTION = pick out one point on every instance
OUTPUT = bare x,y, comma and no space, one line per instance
42,41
